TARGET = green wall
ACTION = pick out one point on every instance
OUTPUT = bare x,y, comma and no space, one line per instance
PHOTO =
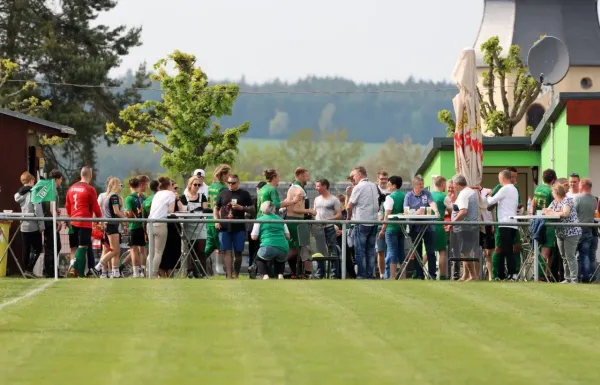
443,162
511,158
571,149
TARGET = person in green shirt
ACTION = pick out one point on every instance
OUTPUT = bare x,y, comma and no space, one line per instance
274,239
148,201
542,198
137,237
269,192
393,234
220,176
517,243
441,238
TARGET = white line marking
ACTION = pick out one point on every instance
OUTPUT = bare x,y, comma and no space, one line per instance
30,293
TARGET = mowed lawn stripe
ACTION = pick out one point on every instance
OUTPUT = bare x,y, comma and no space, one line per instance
44,336
354,336
439,346
11,288
548,343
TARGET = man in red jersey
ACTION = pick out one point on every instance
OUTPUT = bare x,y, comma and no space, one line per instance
82,202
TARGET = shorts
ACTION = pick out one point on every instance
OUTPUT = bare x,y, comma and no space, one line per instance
137,237
294,242
212,241
486,240
550,237
81,237
468,240
441,238
112,228
232,241
380,245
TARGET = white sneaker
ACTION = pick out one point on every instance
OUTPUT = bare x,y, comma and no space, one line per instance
141,275
103,275
566,281
135,274
280,276
98,266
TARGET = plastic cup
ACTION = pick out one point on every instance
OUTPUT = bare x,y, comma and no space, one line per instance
406,210
539,212
234,201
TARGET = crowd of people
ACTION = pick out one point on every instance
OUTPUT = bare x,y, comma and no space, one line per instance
449,250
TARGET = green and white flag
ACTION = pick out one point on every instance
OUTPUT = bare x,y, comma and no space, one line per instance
43,191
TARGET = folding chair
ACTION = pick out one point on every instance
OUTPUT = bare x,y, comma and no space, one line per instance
305,252
321,247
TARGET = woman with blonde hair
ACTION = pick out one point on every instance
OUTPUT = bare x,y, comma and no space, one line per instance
112,206
194,201
567,237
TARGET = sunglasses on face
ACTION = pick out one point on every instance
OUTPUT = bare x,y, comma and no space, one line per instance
175,188
231,183
196,185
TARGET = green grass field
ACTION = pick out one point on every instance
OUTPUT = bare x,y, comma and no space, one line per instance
297,332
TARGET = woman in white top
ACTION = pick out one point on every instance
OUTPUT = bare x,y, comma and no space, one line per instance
194,200
163,204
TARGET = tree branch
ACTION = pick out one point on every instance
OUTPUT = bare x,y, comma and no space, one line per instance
526,103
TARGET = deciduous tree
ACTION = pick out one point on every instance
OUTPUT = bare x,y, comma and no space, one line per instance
500,120
181,125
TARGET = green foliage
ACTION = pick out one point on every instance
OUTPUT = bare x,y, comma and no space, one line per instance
181,125
326,154
501,120
66,44
445,116
397,158
21,98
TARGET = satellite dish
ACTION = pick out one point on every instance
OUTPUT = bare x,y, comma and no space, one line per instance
548,60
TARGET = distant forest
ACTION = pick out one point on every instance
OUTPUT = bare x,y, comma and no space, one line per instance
371,116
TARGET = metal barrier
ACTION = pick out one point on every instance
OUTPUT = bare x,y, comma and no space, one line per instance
345,226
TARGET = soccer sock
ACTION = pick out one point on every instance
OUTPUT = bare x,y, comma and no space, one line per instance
80,258
496,265
115,272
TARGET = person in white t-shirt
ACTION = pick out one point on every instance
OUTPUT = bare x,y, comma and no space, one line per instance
163,204
573,185
507,199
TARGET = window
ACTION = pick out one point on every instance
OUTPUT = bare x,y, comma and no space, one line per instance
535,114
586,83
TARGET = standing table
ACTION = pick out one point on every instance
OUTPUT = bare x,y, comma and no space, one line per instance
190,242
415,243
8,218
534,254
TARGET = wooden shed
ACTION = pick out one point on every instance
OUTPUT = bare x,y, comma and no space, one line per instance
20,151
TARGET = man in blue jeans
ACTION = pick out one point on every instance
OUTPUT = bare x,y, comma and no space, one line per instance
363,205
328,207
393,234
419,199
585,205
232,203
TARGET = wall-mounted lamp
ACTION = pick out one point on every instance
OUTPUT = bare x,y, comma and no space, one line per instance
535,174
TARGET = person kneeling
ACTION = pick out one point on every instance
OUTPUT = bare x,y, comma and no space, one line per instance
273,241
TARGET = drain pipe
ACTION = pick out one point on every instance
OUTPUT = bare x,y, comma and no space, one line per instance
552,145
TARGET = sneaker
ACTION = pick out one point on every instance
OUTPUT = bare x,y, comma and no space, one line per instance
115,276
72,273
98,266
103,276
141,274
566,281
